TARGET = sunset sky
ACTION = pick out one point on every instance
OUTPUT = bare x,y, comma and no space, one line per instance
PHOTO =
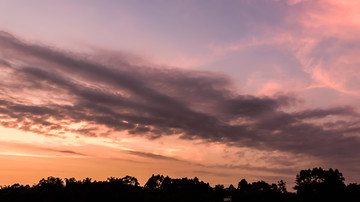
221,90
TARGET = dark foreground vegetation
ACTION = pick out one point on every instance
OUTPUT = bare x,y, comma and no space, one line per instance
311,185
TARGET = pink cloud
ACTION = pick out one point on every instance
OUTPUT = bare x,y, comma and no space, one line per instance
330,52
323,37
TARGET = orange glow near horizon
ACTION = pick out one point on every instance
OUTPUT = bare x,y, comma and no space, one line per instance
27,160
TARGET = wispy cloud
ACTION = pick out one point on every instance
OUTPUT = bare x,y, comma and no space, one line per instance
152,156
54,92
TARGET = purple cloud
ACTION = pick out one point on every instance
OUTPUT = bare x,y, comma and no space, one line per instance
46,90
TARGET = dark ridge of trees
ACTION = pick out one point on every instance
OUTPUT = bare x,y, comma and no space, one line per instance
314,184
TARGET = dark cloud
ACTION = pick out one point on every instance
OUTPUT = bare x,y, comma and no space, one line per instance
70,152
321,113
47,90
33,148
282,170
4,63
153,156
285,169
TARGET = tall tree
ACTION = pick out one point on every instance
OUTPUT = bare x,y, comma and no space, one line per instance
320,183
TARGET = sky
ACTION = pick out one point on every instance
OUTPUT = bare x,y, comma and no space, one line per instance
221,90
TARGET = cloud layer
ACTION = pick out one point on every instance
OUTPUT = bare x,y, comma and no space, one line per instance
54,92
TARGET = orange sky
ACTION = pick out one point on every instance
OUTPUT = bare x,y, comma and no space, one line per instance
221,91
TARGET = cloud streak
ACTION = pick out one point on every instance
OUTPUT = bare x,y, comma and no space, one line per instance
48,91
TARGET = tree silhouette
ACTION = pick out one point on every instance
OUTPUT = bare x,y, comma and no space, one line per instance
282,186
243,185
316,184
154,182
51,182
319,183
129,180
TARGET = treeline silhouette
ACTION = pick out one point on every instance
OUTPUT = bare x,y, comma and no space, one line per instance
314,184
